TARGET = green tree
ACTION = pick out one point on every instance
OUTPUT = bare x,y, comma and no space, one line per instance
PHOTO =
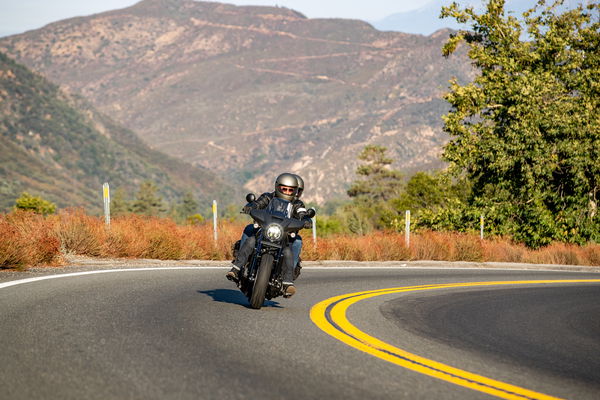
330,225
370,208
184,209
526,131
35,204
431,191
189,205
379,182
147,201
119,204
195,219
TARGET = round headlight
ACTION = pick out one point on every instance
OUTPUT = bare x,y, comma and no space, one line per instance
274,232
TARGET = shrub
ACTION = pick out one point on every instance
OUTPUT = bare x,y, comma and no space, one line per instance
195,219
556,253
80,233
503,250
467,248
36,204
430,245
28,239
33,239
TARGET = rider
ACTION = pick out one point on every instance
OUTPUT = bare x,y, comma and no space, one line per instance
286,187
296,243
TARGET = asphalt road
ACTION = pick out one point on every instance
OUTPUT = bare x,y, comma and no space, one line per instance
188,334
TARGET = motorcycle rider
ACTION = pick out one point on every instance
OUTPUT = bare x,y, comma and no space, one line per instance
295,243
286,187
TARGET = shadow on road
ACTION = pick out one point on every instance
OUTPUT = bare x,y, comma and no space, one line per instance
234,297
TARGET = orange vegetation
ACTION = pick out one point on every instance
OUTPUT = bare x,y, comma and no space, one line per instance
28,239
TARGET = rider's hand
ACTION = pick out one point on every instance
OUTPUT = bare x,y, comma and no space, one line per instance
247,208
307,224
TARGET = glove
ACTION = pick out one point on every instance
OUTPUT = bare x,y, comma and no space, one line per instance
248,207
307,223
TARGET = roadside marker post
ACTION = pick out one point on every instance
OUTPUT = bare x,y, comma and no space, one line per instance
314,230
106,196
407,229
481,227
214,210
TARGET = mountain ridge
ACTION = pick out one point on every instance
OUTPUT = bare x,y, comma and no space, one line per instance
252,91
58,146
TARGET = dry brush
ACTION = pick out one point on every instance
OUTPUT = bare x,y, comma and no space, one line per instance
28,239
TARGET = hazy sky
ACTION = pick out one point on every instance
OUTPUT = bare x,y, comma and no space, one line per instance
17,16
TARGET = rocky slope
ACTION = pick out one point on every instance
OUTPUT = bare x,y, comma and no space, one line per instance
253,91
60,147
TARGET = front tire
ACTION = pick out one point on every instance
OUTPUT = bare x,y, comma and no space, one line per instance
262,281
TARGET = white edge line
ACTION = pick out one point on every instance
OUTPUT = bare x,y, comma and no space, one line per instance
103,271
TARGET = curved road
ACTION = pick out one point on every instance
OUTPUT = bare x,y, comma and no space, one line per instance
188,334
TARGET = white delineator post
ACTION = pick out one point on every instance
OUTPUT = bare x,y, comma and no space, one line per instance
407,229
106,196
481,227
214,210
314,229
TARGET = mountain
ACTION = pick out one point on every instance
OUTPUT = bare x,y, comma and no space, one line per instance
58,146
250,92
426,19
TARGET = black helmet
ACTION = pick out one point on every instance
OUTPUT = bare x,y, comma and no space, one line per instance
300,186
287,180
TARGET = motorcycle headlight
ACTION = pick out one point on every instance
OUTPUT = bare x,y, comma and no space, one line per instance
274,232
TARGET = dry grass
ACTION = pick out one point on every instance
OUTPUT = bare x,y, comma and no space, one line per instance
79,233
566,254
160,238
29,239
378,246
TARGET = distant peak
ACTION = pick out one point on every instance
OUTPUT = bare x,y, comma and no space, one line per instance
217,7
442,32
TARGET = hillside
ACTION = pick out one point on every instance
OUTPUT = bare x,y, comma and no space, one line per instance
60,147
252,91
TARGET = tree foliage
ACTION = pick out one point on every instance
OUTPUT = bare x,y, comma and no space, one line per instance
379,181
378,184
526,131
431,191
148,201
119,205
34,203
183,211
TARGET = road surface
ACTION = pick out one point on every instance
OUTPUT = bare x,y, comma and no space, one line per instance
187,333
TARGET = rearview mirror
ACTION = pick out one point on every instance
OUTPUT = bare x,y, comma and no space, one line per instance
250,197
311,212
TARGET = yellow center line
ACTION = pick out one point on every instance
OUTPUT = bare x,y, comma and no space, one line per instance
330,316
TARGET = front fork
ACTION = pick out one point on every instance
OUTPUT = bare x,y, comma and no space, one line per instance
276,275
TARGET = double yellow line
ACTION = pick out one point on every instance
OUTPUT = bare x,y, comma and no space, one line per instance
330,316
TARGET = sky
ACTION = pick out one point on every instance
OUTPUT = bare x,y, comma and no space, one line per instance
17,16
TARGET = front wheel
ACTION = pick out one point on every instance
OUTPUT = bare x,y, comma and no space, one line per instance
262,281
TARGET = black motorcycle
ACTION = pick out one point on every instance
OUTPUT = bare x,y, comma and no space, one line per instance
262,277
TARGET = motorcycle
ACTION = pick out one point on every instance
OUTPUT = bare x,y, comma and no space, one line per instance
262,277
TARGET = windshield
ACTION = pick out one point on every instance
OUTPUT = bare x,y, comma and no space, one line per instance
279,207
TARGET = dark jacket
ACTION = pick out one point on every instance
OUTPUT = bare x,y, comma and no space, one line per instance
298,208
